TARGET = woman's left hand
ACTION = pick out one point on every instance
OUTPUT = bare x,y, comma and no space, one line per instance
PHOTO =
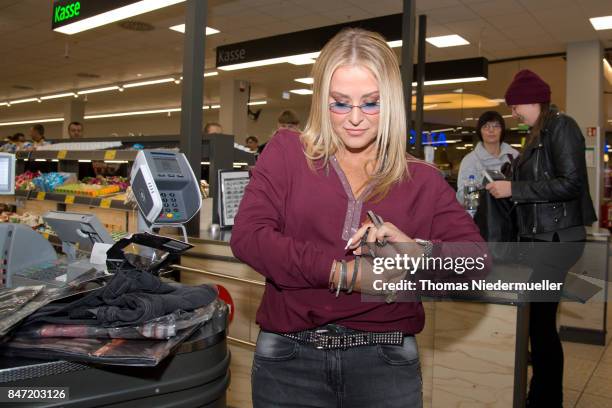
500,189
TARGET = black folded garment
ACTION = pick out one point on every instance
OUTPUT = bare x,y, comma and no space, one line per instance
130,298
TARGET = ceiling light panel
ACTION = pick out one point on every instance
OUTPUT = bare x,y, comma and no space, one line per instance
601,23
181,29
444,41
301,91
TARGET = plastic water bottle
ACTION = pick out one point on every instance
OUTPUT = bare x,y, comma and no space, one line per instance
470,196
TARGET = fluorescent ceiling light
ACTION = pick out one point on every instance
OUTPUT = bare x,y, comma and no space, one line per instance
117,14
452,81
301,91
84,161
468,145
23,101
460,148
394,44
94,90
307,80
601,23
447,41
215,106
506,116
209,74
257,103
60,95
119,114
4,104
151,82
300,59
516,145
181,29
26,122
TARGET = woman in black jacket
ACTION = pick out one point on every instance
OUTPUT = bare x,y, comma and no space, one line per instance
551,191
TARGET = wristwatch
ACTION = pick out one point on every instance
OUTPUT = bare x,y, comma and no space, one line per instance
426,245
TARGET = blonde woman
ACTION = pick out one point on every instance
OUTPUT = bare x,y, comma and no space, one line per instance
307,197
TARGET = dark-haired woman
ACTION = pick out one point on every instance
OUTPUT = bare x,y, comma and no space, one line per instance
551,190
489,154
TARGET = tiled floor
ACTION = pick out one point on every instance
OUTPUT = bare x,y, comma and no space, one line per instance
588,376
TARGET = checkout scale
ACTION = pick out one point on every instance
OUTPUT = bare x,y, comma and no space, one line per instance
168,195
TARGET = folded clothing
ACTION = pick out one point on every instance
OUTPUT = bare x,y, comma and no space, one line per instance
130,298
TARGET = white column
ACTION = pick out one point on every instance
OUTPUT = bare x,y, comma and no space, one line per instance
233,114
74,111
585,103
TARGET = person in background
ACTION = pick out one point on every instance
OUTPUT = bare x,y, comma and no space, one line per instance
75,130
550,188
287,120
37,134
490,153
308,195
14,143
212,127
252,143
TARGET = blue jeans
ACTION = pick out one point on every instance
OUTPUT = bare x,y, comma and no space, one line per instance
289,374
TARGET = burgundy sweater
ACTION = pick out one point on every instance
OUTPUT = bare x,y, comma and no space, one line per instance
293,222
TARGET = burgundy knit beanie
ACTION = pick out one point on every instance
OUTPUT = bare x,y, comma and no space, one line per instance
527,87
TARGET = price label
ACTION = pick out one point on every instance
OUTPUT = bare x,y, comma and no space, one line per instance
110,155
69,199
40,195
105,203
62,154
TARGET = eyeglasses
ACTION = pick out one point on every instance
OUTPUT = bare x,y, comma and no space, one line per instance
491,126
370,108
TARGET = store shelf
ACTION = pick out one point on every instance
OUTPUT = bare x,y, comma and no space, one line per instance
115,155
101,202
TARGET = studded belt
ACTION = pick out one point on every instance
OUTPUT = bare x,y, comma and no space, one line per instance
331,337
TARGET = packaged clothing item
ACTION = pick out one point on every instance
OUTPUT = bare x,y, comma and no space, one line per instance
13,316
130,298
12,300
125,352
163,327
106,351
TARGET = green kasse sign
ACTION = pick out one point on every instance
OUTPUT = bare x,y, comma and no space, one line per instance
66,12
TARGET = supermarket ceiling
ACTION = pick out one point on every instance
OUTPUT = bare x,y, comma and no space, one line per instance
38,61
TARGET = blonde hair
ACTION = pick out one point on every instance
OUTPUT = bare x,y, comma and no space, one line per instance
358,47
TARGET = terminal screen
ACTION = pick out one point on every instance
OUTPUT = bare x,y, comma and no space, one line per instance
5,174
169,165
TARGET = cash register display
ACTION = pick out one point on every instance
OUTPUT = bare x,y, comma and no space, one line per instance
167,165
7,174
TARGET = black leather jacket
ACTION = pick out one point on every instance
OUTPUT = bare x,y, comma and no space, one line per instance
550,185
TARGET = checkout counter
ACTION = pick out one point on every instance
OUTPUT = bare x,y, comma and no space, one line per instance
195,374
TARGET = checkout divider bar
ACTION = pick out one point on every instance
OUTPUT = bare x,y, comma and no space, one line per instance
218,275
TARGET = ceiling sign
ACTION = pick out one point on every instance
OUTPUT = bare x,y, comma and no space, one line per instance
70,11
74,16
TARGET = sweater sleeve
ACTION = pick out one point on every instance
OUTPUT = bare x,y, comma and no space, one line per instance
257,236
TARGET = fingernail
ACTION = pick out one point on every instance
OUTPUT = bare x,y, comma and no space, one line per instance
348,244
